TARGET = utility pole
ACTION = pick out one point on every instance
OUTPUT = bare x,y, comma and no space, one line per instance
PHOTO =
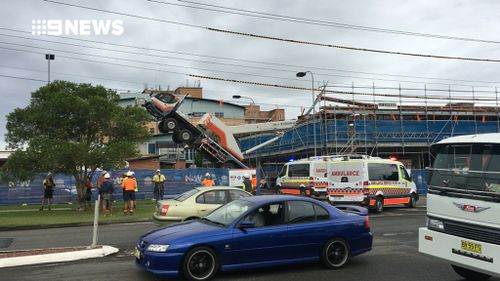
49,57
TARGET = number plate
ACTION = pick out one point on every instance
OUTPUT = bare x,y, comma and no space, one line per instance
137,254
471,247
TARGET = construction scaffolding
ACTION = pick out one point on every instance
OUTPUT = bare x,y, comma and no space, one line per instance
384,121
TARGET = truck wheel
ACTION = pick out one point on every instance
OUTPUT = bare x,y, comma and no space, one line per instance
185,136
170,124
379,204
175,138
469,274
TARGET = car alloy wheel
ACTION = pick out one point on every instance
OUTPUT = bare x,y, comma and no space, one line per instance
200,264
336,253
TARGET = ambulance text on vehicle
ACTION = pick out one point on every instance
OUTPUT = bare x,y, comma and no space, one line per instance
463,206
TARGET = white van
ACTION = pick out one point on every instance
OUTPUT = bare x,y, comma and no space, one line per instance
350,179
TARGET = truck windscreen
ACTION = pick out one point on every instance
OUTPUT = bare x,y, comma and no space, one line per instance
470,168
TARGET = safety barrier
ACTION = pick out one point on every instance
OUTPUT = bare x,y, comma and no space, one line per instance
177,182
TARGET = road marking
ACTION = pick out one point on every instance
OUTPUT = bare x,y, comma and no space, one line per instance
398,233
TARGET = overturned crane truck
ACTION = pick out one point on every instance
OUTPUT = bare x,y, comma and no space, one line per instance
209,135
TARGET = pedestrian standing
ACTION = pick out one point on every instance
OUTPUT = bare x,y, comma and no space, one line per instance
48,190
254,184
247,183
107,189
208,181
159,181
99,183
129,185
88,193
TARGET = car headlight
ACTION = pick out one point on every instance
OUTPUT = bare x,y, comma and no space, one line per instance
157,248
435,224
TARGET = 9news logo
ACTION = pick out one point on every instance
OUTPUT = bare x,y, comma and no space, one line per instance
77,27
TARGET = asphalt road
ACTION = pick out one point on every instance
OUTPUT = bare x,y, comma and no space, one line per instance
394,256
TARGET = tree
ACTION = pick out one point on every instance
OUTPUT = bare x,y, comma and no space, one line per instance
73,129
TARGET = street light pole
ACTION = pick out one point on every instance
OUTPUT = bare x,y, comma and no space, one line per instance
49,57
252,105
302,74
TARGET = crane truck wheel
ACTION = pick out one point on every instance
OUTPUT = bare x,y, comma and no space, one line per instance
176,139
167,125
185,136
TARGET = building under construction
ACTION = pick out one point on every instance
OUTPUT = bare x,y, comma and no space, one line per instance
397,124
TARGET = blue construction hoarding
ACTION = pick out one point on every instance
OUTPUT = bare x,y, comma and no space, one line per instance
178,181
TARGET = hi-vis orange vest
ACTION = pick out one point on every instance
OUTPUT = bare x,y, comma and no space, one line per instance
129,184
207,182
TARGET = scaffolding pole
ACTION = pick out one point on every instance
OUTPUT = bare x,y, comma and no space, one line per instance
401,120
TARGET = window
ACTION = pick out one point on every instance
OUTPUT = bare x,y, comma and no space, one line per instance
404,173
236,194
283,171
197,114
300,212
212,197
186,195
298,170
321,213
467,166
267,215
383,172
219,114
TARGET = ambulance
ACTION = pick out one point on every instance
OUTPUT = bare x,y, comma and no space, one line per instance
363,180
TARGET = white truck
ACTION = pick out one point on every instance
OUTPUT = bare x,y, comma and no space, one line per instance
209,135
463,206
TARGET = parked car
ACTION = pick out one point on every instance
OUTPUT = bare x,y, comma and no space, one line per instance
196,203
254,232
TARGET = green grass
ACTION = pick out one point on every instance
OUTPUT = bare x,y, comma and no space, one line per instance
61,214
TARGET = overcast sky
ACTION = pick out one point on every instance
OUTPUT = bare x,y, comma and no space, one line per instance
470,19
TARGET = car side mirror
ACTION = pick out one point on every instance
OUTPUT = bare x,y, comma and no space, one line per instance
246,224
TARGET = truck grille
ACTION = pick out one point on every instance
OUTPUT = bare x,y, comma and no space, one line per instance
474,232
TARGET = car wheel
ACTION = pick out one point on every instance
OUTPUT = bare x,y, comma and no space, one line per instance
336,253
413,201
469,274
379,204
200,264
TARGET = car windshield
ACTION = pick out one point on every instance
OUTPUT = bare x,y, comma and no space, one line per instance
186,195
230,212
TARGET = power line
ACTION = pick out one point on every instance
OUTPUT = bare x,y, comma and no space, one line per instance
254,61
329,91
116,58
302,20
77,75
23,78
302,42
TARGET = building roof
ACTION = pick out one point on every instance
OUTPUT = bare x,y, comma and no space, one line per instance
480,138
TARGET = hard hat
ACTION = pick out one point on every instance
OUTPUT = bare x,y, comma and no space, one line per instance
158,170
130,173
133,173
246,176
207,175
106,176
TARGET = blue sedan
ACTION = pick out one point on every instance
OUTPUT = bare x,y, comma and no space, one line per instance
255,232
